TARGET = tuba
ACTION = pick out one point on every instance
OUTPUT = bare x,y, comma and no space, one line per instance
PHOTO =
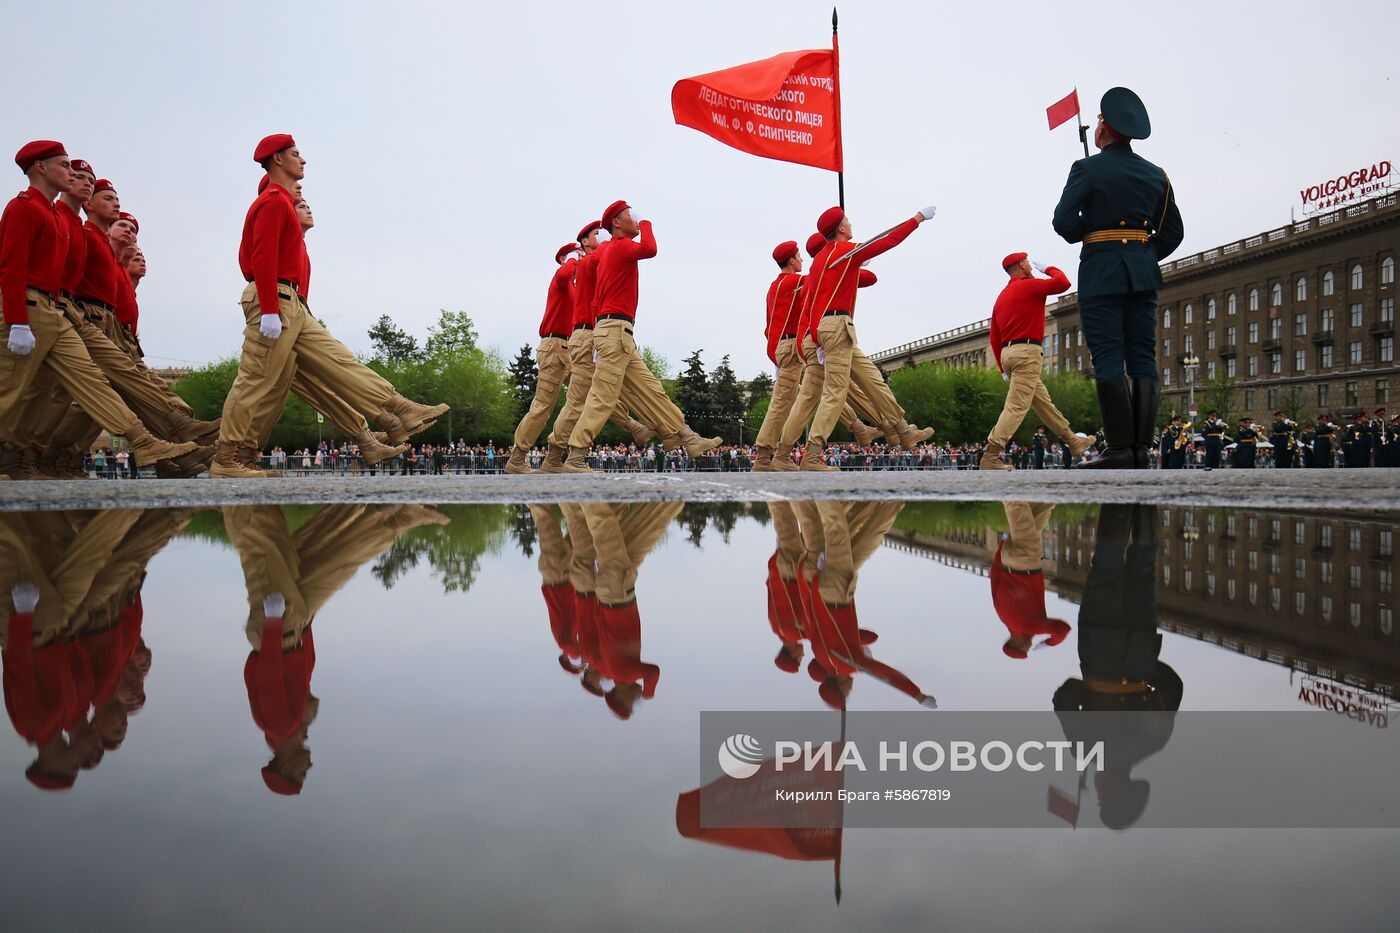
1184,436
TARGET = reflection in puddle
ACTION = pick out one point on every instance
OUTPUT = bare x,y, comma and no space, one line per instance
421,630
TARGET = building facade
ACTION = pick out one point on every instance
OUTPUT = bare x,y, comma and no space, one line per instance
1301,317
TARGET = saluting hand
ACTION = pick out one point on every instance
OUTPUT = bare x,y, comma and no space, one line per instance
270,326
927,213
21,341
1039,266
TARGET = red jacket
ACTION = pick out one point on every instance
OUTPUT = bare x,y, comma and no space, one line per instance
128,311
559,600
835,284
1019,313
33,246
272,247
620,647
100,267
784,310
559,304
39,690
586,287
808,326
76,258
784,604
1019,599
617,273
279,682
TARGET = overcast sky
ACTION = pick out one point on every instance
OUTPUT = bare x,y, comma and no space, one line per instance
454,147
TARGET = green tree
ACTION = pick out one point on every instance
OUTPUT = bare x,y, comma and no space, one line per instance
760,386
1294,404
453,331
693,395
658,364
1221,395
391,343
524,375
726,402
206,388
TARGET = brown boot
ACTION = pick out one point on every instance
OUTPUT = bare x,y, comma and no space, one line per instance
577,462
28,465
415,417
51,462
148,449
74,466
554,460
865,434
187,428
1077,443
812,461
519,461
697,446
641,433
991,458
783,462
671,442
186,466
252,458
228,463
375,452
394,431
763,460
910,436
9,459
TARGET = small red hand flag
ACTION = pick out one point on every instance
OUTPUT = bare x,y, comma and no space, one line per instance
1063,109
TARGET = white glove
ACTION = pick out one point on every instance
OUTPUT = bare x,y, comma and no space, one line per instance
864,264
270,326
821,356
1005,377
636,214
274,606
595,356
928,212
21,340
25,596
1038,266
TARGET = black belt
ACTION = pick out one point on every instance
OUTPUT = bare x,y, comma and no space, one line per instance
46,294
1019,573
615,317
1012,343
837,314
65,294
579,327
1216,436
552,334
294,286
788,337
96,303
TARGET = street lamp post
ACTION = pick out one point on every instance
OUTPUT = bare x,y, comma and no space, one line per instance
1190,363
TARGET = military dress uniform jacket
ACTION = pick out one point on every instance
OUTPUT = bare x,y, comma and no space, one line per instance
1119,190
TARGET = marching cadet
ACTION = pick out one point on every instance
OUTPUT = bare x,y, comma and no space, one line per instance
812,375
1164,449
1322,442
1018,581
620,372
1213,429
785,614
1392,441
581,364
1245,440
1121,207
830,312
1283,435
38,335
1356,444
272,258
1018,338
1380,438
551,357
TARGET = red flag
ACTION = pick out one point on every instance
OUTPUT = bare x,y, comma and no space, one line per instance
1062,110
785,107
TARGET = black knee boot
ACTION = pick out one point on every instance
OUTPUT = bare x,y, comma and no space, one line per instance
1147,394
1115,404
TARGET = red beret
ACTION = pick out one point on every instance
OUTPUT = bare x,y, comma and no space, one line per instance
102,184
262,185
1011,260
589,228
815,243
39,149
829,220
563,251
49,781
271,145
609,215
123,215
82,165
279,783
784,251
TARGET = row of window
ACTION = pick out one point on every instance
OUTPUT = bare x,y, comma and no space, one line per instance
1301,326
1300,286
1351,396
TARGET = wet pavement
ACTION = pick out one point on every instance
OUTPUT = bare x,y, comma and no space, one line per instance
361,716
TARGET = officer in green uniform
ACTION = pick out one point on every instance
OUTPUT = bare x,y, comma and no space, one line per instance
1281,436
1245,439
1121,207
1214,431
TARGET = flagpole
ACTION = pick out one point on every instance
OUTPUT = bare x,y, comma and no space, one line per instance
1079,118
840,154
